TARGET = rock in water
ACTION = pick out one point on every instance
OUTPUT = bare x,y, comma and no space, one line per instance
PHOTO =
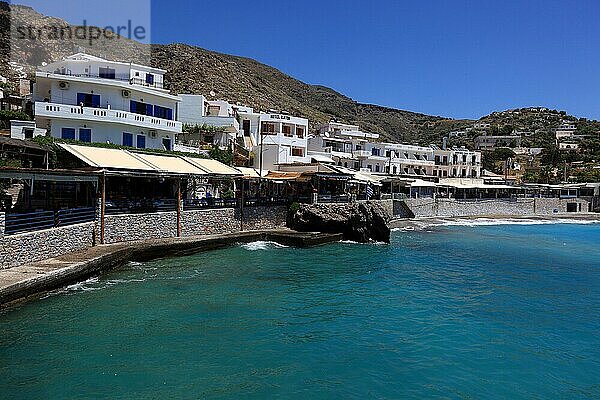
360,222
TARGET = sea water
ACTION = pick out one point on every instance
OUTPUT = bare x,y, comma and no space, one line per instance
491,311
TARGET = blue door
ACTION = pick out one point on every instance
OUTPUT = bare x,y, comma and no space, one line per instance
127,139
141,141
68,133
85,135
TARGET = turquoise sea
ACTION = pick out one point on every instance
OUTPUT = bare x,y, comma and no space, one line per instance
459,312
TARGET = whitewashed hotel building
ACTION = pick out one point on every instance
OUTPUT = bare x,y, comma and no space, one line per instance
199,111
90,99
274,138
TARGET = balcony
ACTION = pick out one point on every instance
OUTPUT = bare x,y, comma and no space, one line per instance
125,78
65,111
361,154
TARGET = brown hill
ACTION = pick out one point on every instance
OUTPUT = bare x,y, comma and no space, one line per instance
237,79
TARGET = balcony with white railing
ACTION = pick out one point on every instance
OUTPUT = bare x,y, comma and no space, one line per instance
361,154
65,111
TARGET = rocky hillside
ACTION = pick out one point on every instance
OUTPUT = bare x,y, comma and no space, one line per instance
237,79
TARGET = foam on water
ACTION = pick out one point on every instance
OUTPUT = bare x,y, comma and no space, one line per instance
262,245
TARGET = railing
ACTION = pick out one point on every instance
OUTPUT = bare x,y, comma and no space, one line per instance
38,220
43,109
208,203
139,206
120,78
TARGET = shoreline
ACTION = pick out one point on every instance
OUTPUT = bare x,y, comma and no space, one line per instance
27,282
493,219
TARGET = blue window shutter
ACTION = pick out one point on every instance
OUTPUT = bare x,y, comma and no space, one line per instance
150,79
80,98
149,109
68,133
169,114
85,135
141,142
95,100
132,106
127,139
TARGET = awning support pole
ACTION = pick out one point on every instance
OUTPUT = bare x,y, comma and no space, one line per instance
179,207
102,207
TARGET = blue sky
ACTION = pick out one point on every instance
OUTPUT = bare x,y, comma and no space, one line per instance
460,59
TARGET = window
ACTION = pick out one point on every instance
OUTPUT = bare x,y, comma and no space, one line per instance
85,135
375,151
167,143
68,133
141,141
163,112
300,132
287,130
376,167
127,139
140,108
88,100
267,128
107,73
297,152
28,132
214,110
150,79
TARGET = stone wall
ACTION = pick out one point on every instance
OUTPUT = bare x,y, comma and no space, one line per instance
209,222
35,246
127,227
2,225
257,218
428,207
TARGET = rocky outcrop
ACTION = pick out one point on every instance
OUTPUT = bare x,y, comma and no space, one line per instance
360,222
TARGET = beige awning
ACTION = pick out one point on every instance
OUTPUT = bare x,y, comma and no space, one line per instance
173,165
251,172
213,166
107,158
124,161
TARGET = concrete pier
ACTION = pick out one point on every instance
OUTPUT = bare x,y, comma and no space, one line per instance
30,280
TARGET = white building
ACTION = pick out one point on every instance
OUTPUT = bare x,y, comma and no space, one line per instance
25,130
491,142
456,163
219,114
274,138
565,130
90,99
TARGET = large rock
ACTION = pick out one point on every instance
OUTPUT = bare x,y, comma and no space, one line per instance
360,222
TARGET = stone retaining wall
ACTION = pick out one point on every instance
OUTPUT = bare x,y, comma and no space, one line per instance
35,246
2,219
428,207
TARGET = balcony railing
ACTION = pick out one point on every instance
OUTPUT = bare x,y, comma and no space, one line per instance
56,110
119,78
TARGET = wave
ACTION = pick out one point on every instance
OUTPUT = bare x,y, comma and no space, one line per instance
354,242
262,245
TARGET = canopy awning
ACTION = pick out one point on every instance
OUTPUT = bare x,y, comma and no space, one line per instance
280,175
251,173
120,161
213,167
321,158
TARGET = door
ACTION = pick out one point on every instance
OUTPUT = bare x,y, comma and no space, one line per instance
246,127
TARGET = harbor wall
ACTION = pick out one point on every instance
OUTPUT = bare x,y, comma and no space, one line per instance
440,207
30,247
